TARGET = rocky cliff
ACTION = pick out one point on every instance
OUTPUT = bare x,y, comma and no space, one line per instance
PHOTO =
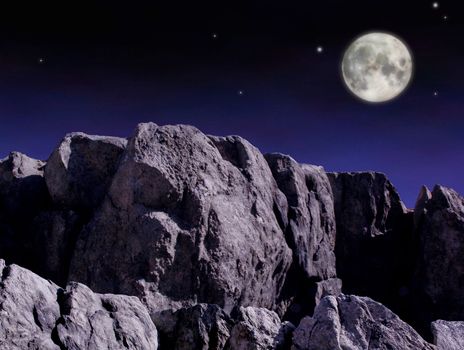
174,239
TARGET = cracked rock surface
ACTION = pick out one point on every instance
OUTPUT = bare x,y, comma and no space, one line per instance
174,239
189,217
37,314
353,323
448,335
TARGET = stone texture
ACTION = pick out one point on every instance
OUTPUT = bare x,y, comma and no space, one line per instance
355,323
80,170
439,278
374,238
202,327
196,226
188,218
37,314
258,329
309,226
332,286
93,321
448,335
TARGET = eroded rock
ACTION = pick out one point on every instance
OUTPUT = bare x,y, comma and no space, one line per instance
440,270
353,323
79,172
374,238
202,327
37,314
190,218
258,329
448,335
309,227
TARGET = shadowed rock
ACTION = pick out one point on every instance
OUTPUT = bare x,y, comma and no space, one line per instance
23,194
37,314
202,327
374,238
80,170
440,269
353,323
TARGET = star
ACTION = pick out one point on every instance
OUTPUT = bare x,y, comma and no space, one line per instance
435,93
319,49
240,92
214,36
435,5
41,60
445,17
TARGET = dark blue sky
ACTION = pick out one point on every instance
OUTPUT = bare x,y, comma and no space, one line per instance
108,66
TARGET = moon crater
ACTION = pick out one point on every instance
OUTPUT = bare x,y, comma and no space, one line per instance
377,67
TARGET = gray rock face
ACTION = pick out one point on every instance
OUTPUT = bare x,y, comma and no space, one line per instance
440,271
37,314
190,218
80,170
374,237
258,329
220,244
355,323
309,226
448,335
208,327
93,321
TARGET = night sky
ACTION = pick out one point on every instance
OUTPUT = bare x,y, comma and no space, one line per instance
250,68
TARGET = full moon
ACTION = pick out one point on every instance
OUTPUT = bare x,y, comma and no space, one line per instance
377,67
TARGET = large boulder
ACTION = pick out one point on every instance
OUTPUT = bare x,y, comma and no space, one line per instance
79,172
354,323
37,314
448,335
189,218
440,270
310,229
374,238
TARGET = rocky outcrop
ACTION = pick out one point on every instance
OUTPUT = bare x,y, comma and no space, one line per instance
222,246
374,238
190,218
440,269
79,172
37,314
309,227
353,323
448,335
259,329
